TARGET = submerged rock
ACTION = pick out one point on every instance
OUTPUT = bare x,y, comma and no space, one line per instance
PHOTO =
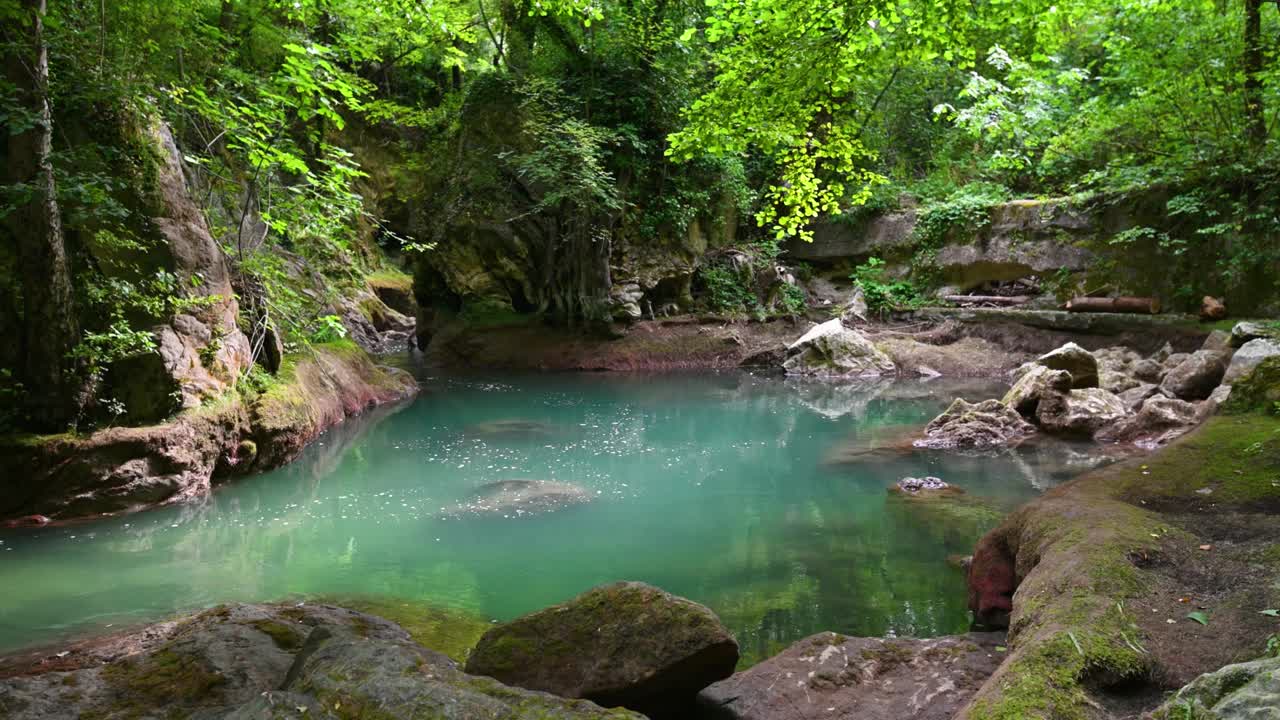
1079,412
832,676
512,429
981,426
626,644
1244,691
522,497
943,511
834,351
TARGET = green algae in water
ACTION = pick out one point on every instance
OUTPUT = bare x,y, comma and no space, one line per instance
755,496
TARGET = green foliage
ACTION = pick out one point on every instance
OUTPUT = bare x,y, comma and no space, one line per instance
328,328
726,290
882,293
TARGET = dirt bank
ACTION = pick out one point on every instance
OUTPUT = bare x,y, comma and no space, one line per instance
1134,579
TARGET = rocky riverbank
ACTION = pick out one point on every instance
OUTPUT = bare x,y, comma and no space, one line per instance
64,477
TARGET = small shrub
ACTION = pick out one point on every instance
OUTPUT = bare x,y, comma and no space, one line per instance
725,289
329,328
882,293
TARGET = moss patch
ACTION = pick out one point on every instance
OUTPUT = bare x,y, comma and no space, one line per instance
1231,459
450,631
166,679
286,638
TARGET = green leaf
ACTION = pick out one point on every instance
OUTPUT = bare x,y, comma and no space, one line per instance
687,35
1270,612
1198,617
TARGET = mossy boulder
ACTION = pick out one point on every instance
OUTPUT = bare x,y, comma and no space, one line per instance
1257,391
1243,691
355,678
627,644
271,661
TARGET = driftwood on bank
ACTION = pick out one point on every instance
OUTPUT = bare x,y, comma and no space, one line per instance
988,299
1144,305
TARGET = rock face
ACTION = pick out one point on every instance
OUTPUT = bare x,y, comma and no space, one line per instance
518,498
983,426
832,350
831,676
198,354
1160,420
626,644
271,661
1244,691
1249,356
1079,412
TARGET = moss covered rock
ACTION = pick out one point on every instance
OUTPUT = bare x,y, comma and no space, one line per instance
1245,691
271,661
625,644
1257,391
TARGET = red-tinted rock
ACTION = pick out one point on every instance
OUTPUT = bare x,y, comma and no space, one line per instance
26,521
992,581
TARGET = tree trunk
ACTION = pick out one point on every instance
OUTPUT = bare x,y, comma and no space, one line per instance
1255,119
1143,305
49,323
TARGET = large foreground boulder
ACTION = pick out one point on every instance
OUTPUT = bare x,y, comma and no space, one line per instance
834,351
1079,412
354,677
1244,691
831,676
269,661
986,425
628,644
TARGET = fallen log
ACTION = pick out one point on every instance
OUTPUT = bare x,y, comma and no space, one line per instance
1143,305
989,299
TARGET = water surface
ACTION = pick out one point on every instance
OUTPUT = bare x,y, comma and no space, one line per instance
756,496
